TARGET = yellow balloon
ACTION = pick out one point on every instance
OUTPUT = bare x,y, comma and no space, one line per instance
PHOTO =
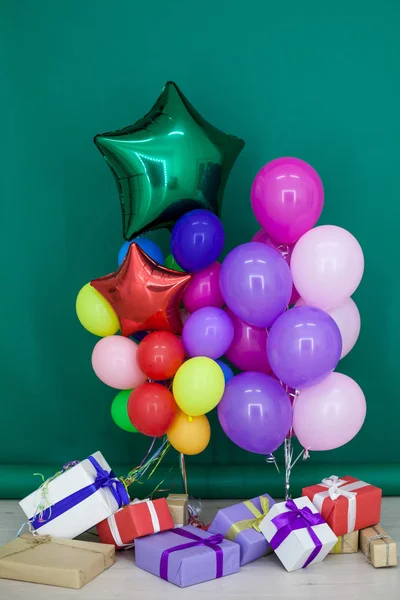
95,313
189,435
198,385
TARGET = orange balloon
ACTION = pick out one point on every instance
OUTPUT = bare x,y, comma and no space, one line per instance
189,435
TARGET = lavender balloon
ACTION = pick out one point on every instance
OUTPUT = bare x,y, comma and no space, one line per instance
304,346
255,412
207,332
256,283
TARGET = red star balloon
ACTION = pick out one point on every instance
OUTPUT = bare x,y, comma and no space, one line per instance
144,294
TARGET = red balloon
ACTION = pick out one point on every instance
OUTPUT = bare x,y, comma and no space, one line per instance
160,354
144,294
151,409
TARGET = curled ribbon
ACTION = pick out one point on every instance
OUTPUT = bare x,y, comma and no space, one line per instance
297,518
240,526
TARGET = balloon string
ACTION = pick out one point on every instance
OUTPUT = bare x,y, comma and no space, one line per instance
182,466
150,461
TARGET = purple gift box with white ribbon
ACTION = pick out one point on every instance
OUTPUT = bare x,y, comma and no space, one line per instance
75,499
297,533
187,555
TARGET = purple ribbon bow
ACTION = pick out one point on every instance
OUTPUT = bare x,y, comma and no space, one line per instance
104,479
297,518
211,542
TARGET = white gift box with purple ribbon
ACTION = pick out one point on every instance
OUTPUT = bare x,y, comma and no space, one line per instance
297,533
76,499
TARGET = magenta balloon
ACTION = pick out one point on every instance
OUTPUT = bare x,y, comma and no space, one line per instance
256,283
285,250
255,412
203,289
287,198
248,350
329,414
207,332
304,346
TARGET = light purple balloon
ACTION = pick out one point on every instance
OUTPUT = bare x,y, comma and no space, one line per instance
207,332
248,350
304,346
255,412
256,283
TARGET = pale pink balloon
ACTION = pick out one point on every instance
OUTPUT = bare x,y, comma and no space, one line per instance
285,250
327,265
203,289
248,350
347,318
114,362
329,414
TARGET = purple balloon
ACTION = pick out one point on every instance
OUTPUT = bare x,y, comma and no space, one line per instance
304,346
255,412
248,350
256,283
207,332
197,240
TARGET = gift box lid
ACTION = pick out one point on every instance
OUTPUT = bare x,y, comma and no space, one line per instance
50,561
192,562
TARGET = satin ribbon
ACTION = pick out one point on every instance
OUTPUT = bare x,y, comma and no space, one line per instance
336,488
297,518
240,526
210,542
104,479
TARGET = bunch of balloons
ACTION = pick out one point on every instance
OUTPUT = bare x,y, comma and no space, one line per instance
278,308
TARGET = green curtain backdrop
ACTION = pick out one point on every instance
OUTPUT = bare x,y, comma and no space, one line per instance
309,79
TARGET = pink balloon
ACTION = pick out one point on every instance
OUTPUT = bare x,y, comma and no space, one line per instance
285,250
347,318
203,289
287,198
327,266
329,414
248,350
114,362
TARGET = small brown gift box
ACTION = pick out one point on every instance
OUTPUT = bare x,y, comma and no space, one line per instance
51,561
178,507
378,547
346,544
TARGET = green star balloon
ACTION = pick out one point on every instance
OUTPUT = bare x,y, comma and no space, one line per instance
170,162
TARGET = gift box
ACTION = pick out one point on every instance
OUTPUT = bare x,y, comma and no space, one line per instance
346,504
298,533
76,500
178,505
187,555
139,518
378,547
51,561
240,523
346,544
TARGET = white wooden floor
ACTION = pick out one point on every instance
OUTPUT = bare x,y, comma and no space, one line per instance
339,577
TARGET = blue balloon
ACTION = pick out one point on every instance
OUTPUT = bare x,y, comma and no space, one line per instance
138,336
227,371
197,240
146,245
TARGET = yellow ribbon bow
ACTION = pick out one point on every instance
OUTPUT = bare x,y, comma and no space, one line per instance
258,516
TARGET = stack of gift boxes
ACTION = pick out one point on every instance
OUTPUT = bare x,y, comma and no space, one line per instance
335,516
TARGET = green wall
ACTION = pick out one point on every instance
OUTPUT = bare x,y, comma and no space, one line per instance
310,79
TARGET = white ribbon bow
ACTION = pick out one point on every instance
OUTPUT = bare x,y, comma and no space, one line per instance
333,483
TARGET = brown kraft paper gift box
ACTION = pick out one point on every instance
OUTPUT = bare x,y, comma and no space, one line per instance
50,561
379,548
178,507
346,544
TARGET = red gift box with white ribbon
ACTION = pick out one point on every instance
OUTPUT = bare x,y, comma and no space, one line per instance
137,519
347,504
